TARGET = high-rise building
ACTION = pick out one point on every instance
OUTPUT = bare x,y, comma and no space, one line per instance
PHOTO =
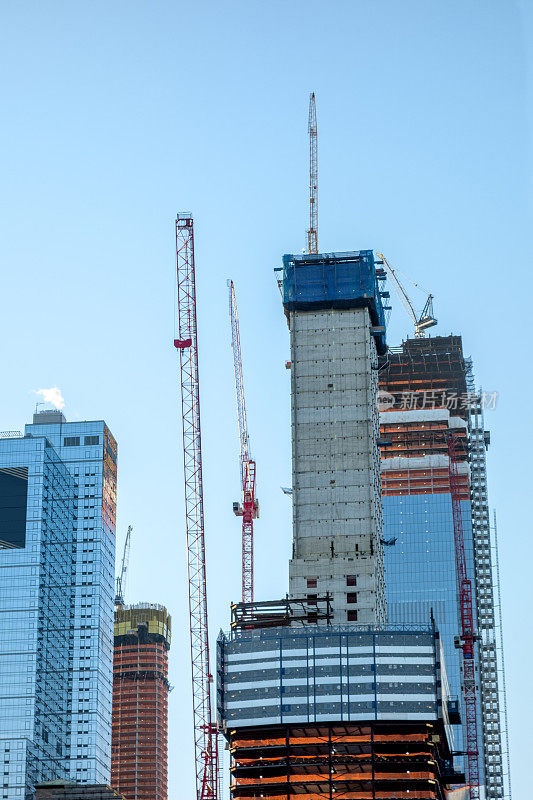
37,513
89,452
316,695
337,328
427,388
140,702
57,522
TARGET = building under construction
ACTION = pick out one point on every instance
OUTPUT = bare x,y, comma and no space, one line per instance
427,389
317,695
380,674
140,702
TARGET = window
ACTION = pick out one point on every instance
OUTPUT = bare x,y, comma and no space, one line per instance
71,441
88,440
352,616
312,599
311,583
351,597
351,580
312,616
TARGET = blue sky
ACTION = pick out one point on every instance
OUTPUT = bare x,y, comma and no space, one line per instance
118,115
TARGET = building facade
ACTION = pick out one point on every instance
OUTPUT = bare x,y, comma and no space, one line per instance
36,548
427,388
336,322
89,452
336,711
140,702
57,549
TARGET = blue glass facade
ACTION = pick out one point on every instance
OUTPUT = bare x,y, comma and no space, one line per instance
420,572
35,601
57,559
89,452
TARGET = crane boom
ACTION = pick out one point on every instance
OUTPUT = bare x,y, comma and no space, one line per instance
205,733
121,579
248,508
426,318
312,233
467,625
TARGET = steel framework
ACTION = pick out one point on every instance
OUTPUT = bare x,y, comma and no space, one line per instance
468,636
248,509
488,608
312,233
205,732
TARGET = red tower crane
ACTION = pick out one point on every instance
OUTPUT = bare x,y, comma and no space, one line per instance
248,509
312,233
205,731
468,636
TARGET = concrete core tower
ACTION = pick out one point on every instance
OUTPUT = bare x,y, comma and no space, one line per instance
335,315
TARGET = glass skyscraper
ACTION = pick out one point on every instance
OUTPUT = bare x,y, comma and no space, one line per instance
36,544
60,547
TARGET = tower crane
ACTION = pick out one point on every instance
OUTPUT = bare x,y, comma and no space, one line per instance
468,637
312,233
248,508
121,579
426,319
205,731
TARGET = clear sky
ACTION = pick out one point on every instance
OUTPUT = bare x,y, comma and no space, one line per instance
116,115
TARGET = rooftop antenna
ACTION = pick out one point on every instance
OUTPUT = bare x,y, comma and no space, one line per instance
312,233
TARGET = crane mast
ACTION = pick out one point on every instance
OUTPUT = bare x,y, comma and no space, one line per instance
248,509
312,233
468,636
121,579
205,732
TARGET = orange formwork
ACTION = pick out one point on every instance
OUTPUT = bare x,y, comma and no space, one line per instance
375,760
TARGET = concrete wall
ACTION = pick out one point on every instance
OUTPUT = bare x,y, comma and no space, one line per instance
337,512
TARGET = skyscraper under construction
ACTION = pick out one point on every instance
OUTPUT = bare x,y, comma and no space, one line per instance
317,695
427,389
140,702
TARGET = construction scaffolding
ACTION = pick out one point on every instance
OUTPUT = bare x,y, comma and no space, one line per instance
491,663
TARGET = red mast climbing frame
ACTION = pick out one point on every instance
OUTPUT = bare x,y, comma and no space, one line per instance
205,732
468,636
248,509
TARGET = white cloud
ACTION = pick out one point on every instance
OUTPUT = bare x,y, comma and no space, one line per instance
52,396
